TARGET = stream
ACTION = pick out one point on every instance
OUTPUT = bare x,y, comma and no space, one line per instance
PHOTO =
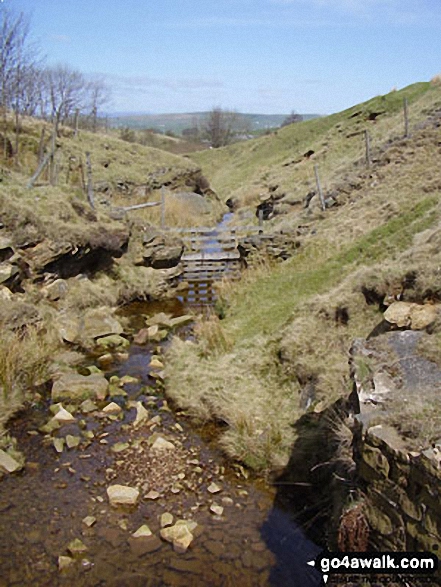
241,539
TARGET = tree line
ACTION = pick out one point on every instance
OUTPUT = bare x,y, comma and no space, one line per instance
29,87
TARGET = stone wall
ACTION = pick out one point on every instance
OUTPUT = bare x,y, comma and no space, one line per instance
402,489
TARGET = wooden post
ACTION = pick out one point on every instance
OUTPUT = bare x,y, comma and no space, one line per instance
77,116
368,148
42,165
41,146
406,119
89,181
319,187
260,217
162,207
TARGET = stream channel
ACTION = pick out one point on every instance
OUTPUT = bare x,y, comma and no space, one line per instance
60,497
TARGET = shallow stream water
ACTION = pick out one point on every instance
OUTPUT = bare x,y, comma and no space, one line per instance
42,509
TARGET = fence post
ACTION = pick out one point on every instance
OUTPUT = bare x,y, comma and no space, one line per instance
260,217
162,207
368,148
406,119
319,188
90,197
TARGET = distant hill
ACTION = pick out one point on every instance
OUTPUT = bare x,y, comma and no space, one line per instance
177,122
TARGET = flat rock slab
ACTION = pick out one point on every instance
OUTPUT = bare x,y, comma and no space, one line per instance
122,495
144,545
76,387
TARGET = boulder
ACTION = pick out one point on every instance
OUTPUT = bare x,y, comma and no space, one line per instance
180,535
410,315
6,248
76,387
100,322
122,495
162,252
5,294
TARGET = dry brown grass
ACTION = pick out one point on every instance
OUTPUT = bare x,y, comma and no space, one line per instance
25,358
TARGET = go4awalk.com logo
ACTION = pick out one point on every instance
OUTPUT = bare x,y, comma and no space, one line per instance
381,563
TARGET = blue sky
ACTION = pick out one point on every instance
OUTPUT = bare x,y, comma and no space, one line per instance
268,56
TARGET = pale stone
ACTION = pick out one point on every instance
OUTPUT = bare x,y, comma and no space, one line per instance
50,426
58,444
56,291
180,535
64,562
161,444
5,294
127,379
156,364
120,447
142,532
122,495
217,510
89,521
78,387
76,546
407,314
7,463
181,321
100,322
112,408
88,406
166,519
153,495
141,414
72,441
112,342
213,488
63,416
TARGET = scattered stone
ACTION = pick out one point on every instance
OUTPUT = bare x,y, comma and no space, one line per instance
88,406
166,519
161,444
89,521
217,510
213,488
142,337
181,321
227,501
72,441
105,360
50,426
122,495
8,464
128,379
141,414
153,495
112,409
120,446
142,532
76,547
59,444
156,364
64,562
63,416
112,342
180,535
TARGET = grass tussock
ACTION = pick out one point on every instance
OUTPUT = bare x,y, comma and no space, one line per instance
25,358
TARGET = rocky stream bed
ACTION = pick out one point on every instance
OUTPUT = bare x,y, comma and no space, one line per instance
123,490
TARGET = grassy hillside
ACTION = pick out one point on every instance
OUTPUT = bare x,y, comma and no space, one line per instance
247,170
282,348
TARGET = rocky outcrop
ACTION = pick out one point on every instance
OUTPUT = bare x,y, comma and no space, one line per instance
161,251
280,245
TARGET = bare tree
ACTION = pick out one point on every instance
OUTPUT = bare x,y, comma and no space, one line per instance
66,91
220,127
99,94
292,118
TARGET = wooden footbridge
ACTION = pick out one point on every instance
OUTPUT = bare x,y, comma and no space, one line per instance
211,253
